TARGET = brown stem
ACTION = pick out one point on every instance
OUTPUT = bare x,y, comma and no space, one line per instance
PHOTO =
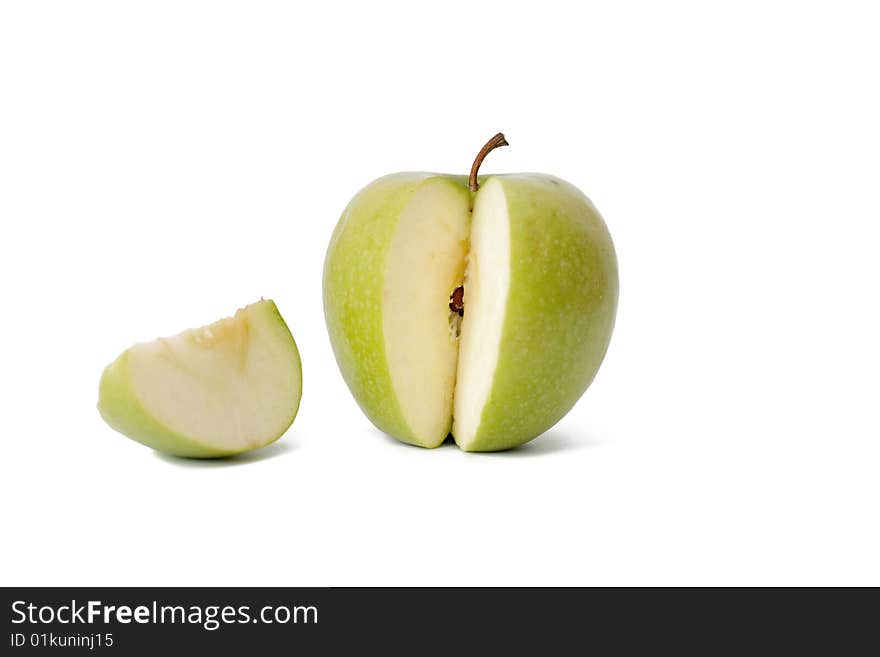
492,144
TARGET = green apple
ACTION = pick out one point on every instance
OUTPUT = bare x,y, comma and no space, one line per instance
214,391
480,306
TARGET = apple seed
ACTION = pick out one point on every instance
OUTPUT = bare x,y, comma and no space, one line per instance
456,301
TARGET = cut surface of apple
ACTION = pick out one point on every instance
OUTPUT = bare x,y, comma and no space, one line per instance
426,260
487,284
481,312
219,390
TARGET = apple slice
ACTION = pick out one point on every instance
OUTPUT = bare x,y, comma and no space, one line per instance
398,251
539,307
214,391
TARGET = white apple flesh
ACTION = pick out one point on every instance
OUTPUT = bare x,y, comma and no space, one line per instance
214,391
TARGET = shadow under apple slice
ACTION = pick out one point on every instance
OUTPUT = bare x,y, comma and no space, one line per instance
276,449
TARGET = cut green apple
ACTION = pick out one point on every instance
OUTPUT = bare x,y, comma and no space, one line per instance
214,391
477,306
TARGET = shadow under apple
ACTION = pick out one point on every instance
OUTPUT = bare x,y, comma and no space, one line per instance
550,442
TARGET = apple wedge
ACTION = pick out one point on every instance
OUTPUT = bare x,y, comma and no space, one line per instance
219,390
397,253
480,307
540,301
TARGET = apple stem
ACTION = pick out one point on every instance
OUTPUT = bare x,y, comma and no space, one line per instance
491,145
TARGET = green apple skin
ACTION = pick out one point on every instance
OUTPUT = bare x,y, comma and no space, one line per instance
120,407
560,312
561,308
354,278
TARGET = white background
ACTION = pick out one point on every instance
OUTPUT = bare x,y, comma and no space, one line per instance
164,163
